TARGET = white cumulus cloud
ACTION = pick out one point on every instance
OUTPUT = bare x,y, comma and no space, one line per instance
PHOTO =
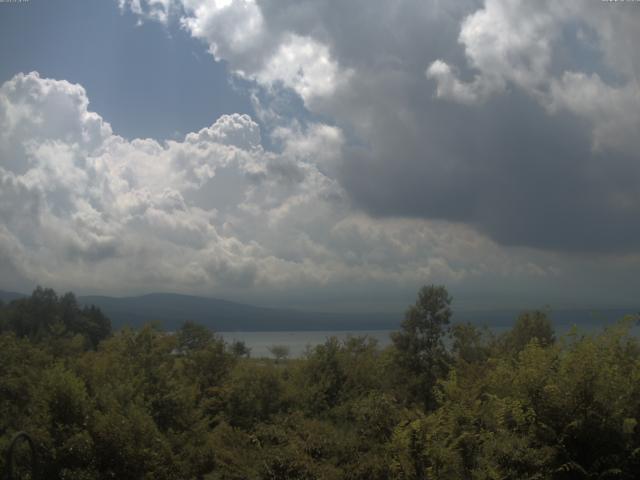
82,204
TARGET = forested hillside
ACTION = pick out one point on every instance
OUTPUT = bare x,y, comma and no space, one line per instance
445,401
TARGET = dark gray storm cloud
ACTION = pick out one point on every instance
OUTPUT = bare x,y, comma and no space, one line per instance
508,168
502,159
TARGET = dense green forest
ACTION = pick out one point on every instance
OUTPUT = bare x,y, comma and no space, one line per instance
444,401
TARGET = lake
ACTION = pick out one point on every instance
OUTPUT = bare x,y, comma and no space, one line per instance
259,342
298,341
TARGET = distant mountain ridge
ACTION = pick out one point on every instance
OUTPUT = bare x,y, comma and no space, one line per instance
10,296
171,310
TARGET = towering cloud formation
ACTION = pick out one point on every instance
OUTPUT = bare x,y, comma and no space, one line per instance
213,212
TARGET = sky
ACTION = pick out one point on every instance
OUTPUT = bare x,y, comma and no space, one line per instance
323,155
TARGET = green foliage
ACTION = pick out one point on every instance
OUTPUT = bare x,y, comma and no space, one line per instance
193,337
420,350
470,344
530,326
150,405
239,349
279,352
253,395
45,316
334,374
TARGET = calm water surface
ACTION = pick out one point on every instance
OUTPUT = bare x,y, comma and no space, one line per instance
259,342
298,341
